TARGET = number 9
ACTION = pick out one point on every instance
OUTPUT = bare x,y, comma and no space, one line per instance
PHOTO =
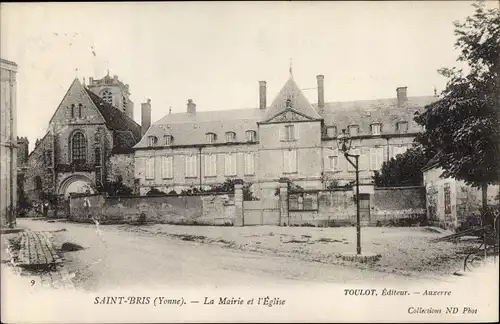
32,282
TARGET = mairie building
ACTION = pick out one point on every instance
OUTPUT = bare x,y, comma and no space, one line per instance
290,138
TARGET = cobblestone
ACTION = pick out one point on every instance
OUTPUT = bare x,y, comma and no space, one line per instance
36,258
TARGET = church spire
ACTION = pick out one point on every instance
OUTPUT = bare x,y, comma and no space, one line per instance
290,69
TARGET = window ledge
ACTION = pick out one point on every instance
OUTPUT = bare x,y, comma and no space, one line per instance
289,140
210,176
191,177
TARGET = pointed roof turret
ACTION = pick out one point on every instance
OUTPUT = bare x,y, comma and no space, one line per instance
290,97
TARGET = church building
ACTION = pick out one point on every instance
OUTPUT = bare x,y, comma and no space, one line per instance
289,138
88,141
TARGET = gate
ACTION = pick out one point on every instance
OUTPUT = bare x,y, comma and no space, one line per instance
261,212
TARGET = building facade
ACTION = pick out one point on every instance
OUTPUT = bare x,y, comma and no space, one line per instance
8,143
87,139
289,138
451,202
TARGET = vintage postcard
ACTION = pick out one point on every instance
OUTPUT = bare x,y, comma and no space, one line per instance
250,161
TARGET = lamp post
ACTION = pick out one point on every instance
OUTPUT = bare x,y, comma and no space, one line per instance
344,143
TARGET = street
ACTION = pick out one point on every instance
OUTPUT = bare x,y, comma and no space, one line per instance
123,259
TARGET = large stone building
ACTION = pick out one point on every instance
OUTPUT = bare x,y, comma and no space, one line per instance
8,143
88,141
289,138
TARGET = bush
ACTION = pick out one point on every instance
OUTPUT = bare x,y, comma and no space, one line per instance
154,192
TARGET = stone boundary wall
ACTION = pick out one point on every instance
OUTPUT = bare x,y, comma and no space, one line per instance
214,209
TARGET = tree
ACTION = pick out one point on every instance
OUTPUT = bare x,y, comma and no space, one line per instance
462,126
403,170
116,188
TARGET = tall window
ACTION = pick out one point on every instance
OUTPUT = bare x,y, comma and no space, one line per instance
167,167
150,168
230,165
97,155
349,165
191,166
364,160
210,165
334,162
354,130
251,136
80,109
72,111
331,131
107,96
230,137
376,128
78,148
376,158
289,133
402,127
211,138
290,161
249,163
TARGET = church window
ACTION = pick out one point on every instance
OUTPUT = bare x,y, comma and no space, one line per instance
72,111
80,108
107,96
78,148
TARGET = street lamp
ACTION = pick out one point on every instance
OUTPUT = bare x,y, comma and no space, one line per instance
344,143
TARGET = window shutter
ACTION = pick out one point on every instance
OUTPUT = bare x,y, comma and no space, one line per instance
373,158
286,158
293,161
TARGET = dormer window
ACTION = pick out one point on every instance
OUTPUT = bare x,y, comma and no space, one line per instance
402,127
152,140
331,131
168,140
376,129
230,137
251,136
211,137
354,130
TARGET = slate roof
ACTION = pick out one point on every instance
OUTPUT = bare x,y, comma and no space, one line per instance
290,91
366,112
190,129
115,118
432,162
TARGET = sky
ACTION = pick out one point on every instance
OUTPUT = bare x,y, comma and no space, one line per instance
216,52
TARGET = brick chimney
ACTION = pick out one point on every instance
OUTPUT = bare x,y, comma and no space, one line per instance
191,107
262,94
402,96
145,116
321,91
